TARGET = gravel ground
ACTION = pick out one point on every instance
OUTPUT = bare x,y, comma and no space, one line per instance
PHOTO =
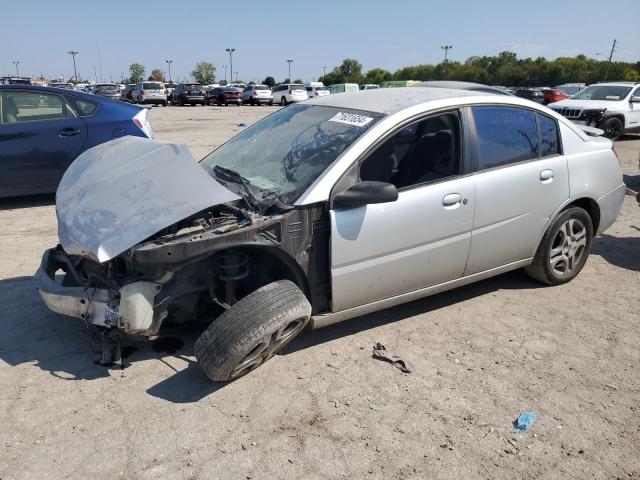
324,408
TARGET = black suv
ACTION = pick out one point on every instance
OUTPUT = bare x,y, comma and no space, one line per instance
188,93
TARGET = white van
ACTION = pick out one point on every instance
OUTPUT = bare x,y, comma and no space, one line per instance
316,89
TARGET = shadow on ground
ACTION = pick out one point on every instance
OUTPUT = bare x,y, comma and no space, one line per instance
30,333
623,252
15,203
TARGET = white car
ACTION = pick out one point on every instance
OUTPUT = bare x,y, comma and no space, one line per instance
150,92
322,212
289,93
613,107
257,95
316,89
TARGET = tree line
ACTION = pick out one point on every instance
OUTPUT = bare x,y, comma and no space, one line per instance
504,69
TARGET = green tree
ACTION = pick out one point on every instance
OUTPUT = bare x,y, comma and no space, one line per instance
297,80
351,71
204,73
136,72
157,75
269,81
377,76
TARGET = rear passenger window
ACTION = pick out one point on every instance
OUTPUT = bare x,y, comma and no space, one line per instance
33,106
505,135
548,129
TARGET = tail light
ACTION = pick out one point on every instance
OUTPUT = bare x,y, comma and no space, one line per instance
255,93
142,93
289,90
137,123
166,91
317,94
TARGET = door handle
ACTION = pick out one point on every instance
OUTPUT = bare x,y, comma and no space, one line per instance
68,132
546,176
452,200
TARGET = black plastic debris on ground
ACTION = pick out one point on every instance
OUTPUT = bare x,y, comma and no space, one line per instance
380,353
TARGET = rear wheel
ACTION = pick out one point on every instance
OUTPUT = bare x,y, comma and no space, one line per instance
564,248
283,102
252,331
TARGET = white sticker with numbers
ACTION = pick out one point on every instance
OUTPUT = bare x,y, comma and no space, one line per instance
351,119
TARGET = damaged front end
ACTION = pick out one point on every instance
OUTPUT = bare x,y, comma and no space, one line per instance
148,238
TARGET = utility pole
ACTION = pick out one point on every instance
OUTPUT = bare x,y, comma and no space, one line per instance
230,50
613,47
169,62
73,53
16,63
446,49
289,62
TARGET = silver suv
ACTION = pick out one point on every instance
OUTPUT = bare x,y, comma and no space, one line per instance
150,92
321,212
257,95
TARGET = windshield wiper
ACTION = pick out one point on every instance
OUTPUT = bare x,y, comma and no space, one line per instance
226,174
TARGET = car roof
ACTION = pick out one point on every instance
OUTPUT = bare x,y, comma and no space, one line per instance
391,100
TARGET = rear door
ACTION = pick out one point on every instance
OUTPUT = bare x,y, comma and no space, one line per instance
39,137
522,178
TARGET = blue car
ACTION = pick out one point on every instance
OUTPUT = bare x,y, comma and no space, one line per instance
43,130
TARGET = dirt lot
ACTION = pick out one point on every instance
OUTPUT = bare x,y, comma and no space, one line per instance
324,408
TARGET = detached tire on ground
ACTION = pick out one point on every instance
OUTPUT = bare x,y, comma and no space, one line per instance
564,248
252,331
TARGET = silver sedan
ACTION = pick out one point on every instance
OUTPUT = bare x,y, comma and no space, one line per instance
323,211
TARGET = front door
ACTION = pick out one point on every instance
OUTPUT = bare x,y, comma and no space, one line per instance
39,138
421,239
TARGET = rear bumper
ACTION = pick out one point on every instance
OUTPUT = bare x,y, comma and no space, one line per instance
259,100
90,304
154,101
610,206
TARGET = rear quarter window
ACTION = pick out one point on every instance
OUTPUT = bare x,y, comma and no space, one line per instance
84,108
549,138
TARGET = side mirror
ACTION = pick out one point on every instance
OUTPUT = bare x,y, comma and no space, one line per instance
635,99
365,193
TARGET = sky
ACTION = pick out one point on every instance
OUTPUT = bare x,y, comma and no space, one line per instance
386,34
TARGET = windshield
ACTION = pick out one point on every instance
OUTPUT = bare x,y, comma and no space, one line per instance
602,92
283,154
261,87
568,90
296,87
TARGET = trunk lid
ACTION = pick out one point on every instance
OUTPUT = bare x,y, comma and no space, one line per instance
119,193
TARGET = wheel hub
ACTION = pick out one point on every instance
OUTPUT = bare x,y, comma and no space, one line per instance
568,247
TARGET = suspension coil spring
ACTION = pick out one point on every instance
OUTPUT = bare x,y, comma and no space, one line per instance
233,265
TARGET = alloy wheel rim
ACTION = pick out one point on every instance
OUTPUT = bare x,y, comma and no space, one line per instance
568,247
267,347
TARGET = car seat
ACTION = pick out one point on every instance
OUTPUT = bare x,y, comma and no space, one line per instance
379,166
9,110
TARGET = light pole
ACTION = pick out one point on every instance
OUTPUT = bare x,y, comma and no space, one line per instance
289,62
95,74
230,50
16,63
446,49
169,62
236,77
324,69
73,53
225,73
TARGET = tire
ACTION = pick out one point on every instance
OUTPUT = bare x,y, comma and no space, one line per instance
560,256
271,103
252,331
612,128
181,102
283,102
202,104
164,104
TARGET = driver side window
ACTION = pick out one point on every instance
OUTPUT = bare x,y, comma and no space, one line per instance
427,150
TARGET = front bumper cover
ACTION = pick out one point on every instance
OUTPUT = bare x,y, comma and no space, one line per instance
94,305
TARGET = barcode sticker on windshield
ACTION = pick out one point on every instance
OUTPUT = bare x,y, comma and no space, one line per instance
351,119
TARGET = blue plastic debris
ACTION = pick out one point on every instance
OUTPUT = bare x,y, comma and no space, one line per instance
242,124
525,420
